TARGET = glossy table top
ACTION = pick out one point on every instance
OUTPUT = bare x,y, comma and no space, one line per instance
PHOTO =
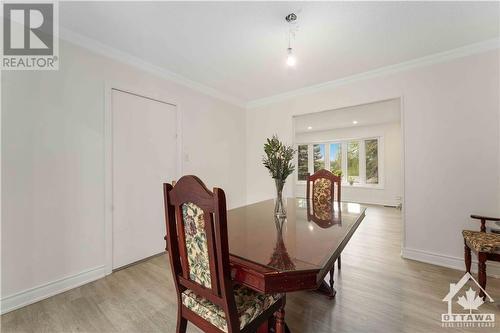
305,240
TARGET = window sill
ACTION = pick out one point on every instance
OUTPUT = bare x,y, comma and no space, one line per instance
367,186
346,185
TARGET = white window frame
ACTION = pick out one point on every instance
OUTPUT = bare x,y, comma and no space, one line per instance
362,160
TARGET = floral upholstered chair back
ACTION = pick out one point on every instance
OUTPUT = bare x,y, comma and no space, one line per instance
196,244
197,241
323,190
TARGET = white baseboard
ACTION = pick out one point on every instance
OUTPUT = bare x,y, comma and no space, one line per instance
492,268
33,295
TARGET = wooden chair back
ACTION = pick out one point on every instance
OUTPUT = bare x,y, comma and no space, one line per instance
196,222
323,186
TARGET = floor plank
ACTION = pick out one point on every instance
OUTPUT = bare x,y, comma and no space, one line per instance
377,291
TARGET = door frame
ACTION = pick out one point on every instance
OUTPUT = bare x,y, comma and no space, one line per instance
108,154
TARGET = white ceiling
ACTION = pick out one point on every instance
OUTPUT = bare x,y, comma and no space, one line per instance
239,48
366,114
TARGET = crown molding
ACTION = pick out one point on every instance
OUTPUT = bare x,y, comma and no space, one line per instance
463,51
105,50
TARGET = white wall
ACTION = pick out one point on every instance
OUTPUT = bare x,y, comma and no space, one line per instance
53,165
390,154
451,136
53,157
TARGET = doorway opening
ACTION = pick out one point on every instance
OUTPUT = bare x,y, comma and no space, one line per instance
364,144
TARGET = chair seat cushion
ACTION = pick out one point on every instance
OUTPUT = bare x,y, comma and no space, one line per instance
250,304
482,241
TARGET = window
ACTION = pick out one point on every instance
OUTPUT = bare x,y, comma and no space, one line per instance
371,155
353,162
358,161
336,158
302,168
319,157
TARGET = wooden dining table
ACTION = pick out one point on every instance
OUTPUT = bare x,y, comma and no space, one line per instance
273,254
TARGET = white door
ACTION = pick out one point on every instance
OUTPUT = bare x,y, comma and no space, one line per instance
144,157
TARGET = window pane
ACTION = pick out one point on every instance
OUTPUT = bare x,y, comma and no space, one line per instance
371,147
336,158
303,162
319,157
353,161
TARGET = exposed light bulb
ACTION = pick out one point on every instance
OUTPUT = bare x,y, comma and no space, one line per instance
354,122
309,127
291,60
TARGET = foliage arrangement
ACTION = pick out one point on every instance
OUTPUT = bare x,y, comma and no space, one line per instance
278,158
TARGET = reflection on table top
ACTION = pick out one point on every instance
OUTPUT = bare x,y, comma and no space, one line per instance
306,239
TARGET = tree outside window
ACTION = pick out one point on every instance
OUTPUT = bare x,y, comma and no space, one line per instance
319,157
303,162
353,161
336,158
371,154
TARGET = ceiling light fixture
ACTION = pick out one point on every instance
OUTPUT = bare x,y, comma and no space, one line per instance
309,127
290,59
354,122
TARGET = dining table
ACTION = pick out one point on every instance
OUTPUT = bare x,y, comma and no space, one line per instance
290,252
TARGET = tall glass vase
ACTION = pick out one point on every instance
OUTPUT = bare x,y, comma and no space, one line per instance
279,206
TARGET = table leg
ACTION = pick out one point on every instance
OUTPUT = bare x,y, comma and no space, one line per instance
332,272
326,288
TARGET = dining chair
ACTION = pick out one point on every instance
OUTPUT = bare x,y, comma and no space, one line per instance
323,190
199,256
323,187
486,245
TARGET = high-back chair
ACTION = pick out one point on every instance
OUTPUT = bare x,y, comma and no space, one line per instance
323,190
197,244
323,187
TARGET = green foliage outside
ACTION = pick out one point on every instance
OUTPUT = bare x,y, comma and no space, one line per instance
303,162
319,158
336,161
353,159
371,148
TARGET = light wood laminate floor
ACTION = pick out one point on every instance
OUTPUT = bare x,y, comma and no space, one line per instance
377,291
